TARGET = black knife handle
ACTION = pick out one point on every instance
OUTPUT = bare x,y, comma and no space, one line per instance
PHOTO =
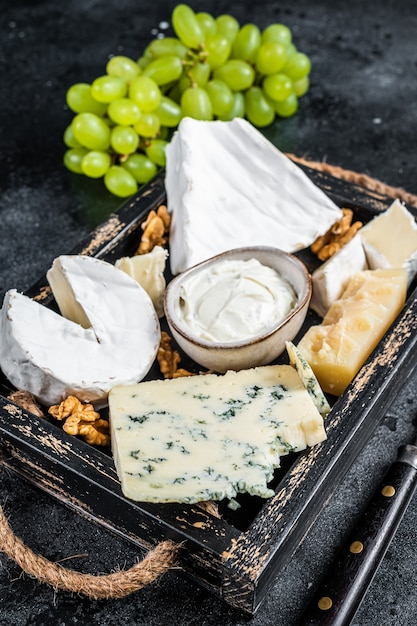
348,578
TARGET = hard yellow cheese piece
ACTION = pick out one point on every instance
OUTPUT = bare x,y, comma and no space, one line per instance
337,348
209,436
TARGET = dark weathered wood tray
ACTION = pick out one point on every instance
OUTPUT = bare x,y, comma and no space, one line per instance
237,556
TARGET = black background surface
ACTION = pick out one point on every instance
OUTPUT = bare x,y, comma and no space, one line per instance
360,114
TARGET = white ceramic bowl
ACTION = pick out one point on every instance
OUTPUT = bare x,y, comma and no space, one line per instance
257,350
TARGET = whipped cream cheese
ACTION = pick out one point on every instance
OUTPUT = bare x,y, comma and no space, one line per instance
234,300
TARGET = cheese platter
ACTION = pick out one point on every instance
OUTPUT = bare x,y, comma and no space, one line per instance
237,555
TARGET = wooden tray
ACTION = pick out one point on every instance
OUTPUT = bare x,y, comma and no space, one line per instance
238,556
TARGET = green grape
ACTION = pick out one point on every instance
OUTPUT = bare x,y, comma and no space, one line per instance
120,182
166,46
164,133
123,67
141,167
195,76
195,102
221,97
301,86
277,86
107,88
143,62
207,23
148,125
164,70
287,108
237,74
238,108
124,111
95,163
258,110
277,32
218,49
271,57
73,158
69,139
155,151
186,26
91,131
169,112
124,139
298,66
246,43
145,93
80,100
227,26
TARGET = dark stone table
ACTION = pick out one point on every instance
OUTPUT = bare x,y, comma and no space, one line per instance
360,114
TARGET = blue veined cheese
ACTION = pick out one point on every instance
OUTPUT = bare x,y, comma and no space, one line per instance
309,379
229,187
209,436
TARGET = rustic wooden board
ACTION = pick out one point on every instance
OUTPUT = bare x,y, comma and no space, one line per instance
238,556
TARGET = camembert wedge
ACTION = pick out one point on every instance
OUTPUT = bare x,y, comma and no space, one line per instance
209,436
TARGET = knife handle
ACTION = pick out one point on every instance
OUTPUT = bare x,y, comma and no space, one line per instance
348,578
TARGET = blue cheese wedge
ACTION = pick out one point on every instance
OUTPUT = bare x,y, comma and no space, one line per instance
108,333
229,187
309,379
209,436
390,240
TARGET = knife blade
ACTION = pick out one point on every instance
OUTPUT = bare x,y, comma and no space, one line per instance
345,583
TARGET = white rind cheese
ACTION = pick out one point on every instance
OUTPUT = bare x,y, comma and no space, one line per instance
390,240
332,277
229,187
111,338
209,437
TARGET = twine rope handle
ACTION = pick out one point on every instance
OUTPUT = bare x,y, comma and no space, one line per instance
115,585
164,556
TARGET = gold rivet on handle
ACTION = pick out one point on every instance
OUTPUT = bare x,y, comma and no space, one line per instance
325,603
388,491
356,547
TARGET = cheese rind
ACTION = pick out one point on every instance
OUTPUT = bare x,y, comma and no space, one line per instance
112,337
229,187
332,277
309,379
390,240
209,437
337,348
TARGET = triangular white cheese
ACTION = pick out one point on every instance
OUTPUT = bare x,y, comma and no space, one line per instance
228,187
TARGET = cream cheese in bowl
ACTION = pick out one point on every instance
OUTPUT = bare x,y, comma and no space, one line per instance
236,310
235,300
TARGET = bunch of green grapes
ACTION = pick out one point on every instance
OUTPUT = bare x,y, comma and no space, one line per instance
213,68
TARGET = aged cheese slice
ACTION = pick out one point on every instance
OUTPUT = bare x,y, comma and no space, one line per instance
229,187
332,277
390,240
111,337
353,326
148,270
209,436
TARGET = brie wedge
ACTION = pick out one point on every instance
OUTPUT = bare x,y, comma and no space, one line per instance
390,240
229,187
108,333
332,277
